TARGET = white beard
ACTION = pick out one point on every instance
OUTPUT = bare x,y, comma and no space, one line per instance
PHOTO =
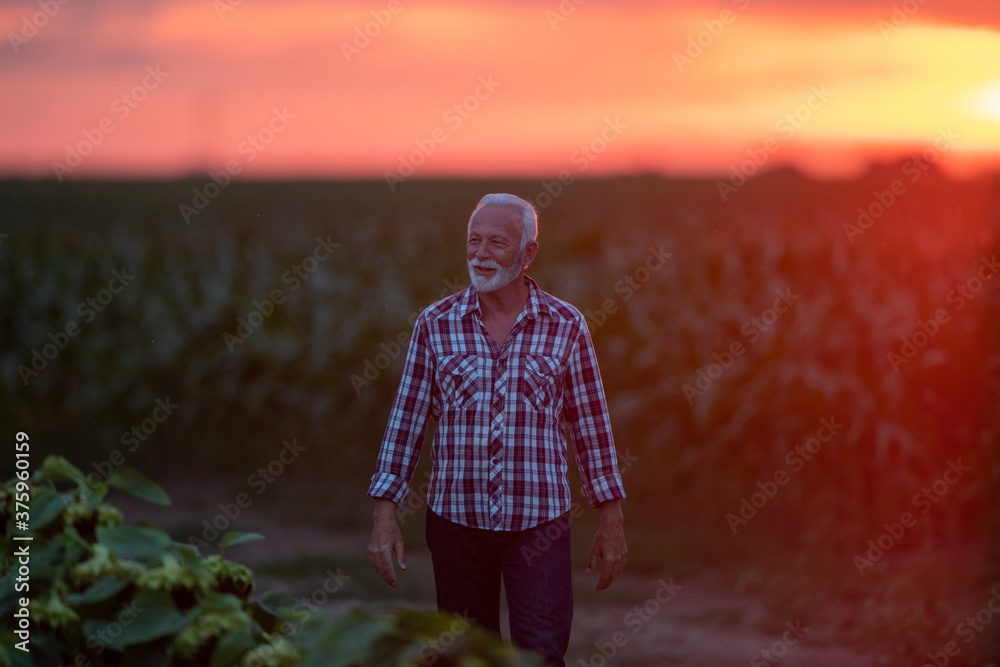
502,277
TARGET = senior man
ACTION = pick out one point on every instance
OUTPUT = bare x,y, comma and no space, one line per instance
501,367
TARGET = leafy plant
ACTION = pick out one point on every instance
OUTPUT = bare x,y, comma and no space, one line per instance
101,593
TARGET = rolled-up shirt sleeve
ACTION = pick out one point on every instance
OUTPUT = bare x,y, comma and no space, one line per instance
586,414
404,433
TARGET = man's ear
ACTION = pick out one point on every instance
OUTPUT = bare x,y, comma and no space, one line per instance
530,251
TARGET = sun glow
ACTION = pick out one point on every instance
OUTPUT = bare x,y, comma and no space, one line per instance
983,102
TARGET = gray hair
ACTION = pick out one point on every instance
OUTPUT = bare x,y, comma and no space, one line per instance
529,219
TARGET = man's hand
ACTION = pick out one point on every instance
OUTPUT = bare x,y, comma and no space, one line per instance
386,539
609,544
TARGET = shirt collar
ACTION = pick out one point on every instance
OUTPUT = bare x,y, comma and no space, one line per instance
536,305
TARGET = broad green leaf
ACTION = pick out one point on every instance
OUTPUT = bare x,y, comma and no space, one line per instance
139,542
73,537
7,584
134,482
188,557
264,619
149,616
101,590
157,653
277,603
215,601
93,494
231,648
47,560
422,623
234,537
186,552
46,505
58,469
349,640
10,655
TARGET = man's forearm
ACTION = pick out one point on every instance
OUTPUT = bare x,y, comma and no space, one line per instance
384,508
611,511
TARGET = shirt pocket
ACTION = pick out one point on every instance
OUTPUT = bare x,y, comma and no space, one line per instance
540,380
458,377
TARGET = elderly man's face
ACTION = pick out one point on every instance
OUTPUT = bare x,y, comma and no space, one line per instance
493,248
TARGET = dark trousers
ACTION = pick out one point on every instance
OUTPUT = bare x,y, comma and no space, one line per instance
536,570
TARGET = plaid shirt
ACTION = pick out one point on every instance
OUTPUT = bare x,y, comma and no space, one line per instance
499,455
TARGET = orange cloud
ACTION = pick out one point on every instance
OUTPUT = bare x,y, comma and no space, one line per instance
692,86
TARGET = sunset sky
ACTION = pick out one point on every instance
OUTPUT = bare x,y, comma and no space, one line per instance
164,88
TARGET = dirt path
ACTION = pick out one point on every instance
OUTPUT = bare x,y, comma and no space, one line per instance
647,620
705,623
